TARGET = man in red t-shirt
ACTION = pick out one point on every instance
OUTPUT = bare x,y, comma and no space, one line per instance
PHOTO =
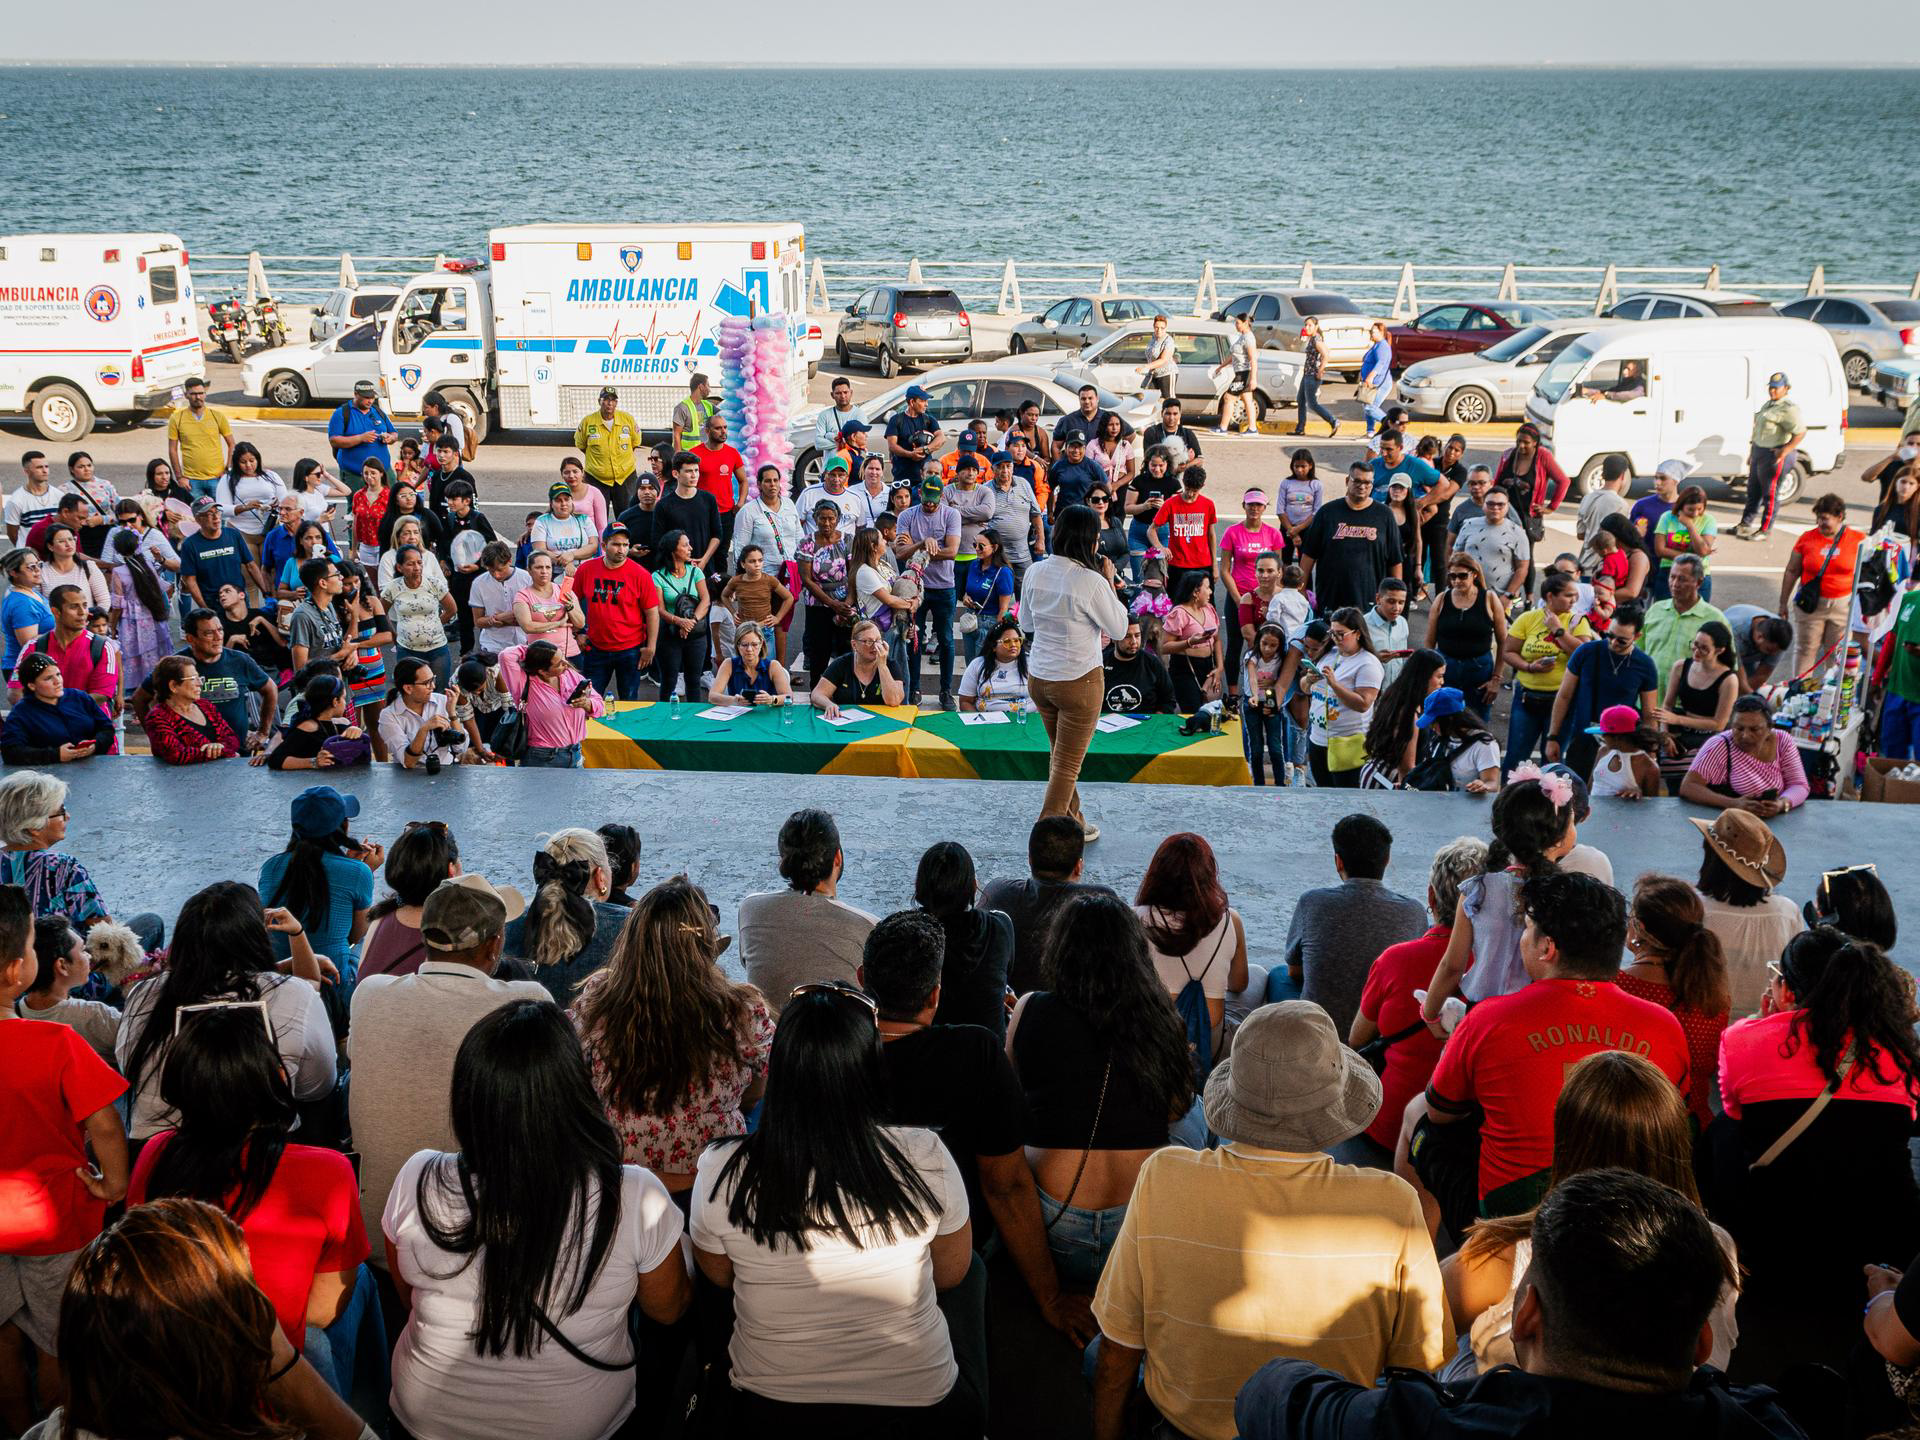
622,604
1189,517
59,1097
1511,1054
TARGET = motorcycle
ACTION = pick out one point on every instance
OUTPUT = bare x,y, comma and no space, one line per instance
228,327
265,315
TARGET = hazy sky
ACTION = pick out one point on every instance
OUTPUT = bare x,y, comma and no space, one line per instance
1265,33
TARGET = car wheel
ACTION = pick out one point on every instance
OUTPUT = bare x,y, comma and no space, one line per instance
889,364
287,390
1857,366
1590,475
1017,345
806,471
840,353
1258,405
1470,406
1795,479
61,412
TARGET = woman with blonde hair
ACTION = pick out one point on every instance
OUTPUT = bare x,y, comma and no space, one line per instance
571,927
678,1052
1617,1111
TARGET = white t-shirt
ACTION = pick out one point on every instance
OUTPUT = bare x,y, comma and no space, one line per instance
495,597
444,1390
854,507
866,580
23,507
1469,762
1360,670
264,487
315,502
1005,685
1289,610
300,1028
1208,961
572,533
838,1323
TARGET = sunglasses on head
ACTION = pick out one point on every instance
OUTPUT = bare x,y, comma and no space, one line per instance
839,991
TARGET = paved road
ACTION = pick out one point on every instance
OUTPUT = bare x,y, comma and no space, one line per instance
515,470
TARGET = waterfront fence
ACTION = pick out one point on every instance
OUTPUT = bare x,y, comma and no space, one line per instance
1017,288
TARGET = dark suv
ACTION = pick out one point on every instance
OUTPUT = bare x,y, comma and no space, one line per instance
901,325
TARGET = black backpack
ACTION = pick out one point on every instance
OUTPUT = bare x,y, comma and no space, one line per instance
1436,771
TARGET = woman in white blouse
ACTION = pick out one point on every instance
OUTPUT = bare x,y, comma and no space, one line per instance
249,493
1068,604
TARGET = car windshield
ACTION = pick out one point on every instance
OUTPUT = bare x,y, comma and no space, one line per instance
928,302
1325,305
1559,375
1516,344
1900,312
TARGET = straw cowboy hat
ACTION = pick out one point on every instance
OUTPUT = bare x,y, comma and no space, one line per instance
1290,1084
1751,850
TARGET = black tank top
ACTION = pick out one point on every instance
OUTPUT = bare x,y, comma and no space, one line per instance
1463,634
1700,701
1061,1063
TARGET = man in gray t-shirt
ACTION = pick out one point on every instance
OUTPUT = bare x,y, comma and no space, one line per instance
1338,932
1760,638
803,934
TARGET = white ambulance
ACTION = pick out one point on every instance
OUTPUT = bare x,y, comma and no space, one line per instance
93,325
527,338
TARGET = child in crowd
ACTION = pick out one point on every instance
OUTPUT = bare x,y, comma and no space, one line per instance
478,700
752,596
525,548
64,966
1290,608
1387,624
60,1099
1262,716
1625,768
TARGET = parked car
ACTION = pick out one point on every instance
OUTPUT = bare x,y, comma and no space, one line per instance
346,307
1681,303
1865,328
1460,327
1491,385
323,370
1080,320
1276,322
962,394
1117,364
903,325
1895,383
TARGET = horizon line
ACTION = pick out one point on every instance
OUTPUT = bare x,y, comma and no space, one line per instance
96,63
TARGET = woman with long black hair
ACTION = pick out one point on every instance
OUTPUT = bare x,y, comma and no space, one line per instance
1068,604
298,1204
973,976
520,1253
836,1232
324,876
1394,733
1104,1061
220,955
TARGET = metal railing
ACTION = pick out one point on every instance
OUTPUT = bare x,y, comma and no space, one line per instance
1009,287
1400,290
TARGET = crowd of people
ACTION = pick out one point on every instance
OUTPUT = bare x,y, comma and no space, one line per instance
378,1146
1363,632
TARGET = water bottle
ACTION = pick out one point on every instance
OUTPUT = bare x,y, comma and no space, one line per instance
786,712
1019,710
673,706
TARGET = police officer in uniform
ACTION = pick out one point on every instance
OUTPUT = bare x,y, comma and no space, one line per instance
605,441
1777,433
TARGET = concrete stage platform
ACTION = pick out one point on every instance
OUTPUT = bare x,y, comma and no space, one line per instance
153,835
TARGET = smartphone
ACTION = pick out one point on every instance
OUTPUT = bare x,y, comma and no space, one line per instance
582,688
1769,794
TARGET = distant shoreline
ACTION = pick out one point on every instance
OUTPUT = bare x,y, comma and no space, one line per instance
1515,66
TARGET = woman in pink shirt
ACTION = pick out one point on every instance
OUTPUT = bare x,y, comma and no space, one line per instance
1241,545
557,701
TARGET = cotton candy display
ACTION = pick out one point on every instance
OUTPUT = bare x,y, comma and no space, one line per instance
756,363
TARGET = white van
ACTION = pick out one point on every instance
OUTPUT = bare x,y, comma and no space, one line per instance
94,325
1698,384
560,310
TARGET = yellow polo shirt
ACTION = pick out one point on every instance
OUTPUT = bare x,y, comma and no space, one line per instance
1230,1258
606,446
203,456
1536,643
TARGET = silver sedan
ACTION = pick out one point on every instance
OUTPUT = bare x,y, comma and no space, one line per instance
1080,320
1491,384
1200,349
1865,328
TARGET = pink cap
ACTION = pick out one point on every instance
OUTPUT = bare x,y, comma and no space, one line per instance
1254,494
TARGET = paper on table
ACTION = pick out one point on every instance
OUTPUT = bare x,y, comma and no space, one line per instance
1108,724
993,717
846,717
726,712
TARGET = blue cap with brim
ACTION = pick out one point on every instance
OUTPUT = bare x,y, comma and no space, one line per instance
914,392
320,810
853,426
1442,702
1777,380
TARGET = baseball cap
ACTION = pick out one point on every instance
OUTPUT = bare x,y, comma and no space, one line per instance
467,910
319,810
615,528
204,504
915,392
855,425
1445,701
1399,482
557,489
1616,720
1778,377
1075,437
931,486
607,392
365,387
1255,494
834,462
969,440
1003,457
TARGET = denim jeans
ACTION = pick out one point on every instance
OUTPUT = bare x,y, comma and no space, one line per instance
204,489
1376,406
553,757
1469,677
1261,732
1527,725
936,605
351,1354
439,661
605,667
1310,400
900,656
1080,1239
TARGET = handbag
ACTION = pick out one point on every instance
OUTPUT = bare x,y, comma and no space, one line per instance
1806,595
511,736
1346,752
1374,1052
